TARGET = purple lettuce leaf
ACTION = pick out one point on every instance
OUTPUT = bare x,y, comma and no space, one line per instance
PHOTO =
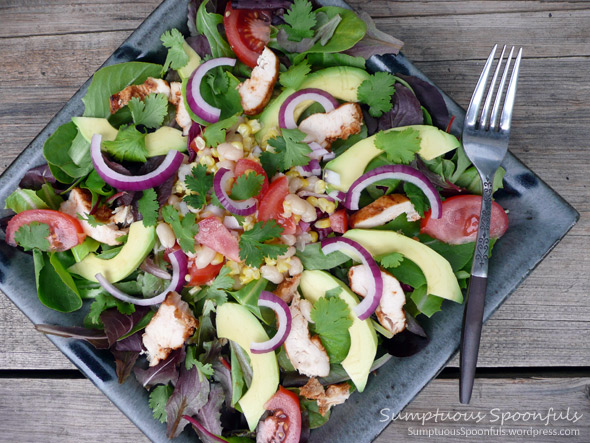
431,99
124,363
163,373
133,343
375,42
222,375
406,110
210,415
190,395
116,325
36,177
96,338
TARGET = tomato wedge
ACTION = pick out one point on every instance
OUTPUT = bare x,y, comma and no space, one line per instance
244,165
271,205
284,424
248,32
66,231
214,234
339,221
460,220
204,275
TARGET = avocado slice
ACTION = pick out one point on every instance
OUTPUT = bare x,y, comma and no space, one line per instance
88,126
194,60
363,339
440,278
352,163
340,81
235,322
140,242
164,140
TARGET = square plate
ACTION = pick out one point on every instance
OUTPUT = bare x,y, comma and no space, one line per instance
539,218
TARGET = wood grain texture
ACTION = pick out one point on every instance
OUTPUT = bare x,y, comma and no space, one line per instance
71,411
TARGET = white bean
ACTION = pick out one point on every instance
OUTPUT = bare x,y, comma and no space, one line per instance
229,151
204,257
165,235
296,267
272,274
288,239
227,164
300,207
290,253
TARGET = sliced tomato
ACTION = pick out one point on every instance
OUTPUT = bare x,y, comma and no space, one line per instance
65,231
460,220
271,205
244,165
214,234
248,32
284,424
339,221
204,275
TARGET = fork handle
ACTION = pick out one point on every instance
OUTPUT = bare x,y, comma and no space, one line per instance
473,315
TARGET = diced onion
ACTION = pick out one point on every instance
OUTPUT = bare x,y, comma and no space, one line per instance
179,262
167,169
269,300
375,285
396,172
220,181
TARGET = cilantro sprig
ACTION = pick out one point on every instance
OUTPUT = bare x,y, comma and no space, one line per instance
33,236
247,185
294,76
177,57
184,230
331,316
149,207
376,91
90,219
289,151
129,145
300,20
400,147
199,183
253,246
150,111
158,399
216,290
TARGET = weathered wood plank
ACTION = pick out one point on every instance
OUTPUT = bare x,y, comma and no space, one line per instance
74,410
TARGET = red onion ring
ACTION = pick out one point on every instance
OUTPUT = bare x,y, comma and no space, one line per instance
396,172
193,89
368,305
179,262
150,267
312,168
244,207
287,110
167,169
269,300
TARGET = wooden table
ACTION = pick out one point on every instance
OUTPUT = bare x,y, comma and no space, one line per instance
535,351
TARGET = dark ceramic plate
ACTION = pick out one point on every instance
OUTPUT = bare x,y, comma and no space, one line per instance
539,218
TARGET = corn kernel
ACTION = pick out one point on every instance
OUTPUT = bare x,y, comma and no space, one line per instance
270,261
234,267
297,218
238,145
323,223
217,259
292,173
274,132
244,130
283,265
207,160
249,274
313,201
314,236
214,152
254,126
327,205
304,183
319,187
248,223
248,143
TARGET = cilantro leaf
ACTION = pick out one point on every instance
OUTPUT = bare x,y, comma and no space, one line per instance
376,92
290,149
158,399
247,185
253,248
149,207
199,183
33,236
191,361
417,198
177,57
300,19
400,147
215,134
90,219
216,290
294,76
150,111
392,260
128,145
184,230
331,316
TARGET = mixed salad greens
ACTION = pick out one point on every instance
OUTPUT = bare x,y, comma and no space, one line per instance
260,183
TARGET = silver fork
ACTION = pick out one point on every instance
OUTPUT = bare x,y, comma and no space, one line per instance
485,139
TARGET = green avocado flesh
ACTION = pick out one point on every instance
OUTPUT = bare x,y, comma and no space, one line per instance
194,60
238,324
351,164
341,82
363,339
140,242
440,278
88,126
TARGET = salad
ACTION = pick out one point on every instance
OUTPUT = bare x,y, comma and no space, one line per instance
259,223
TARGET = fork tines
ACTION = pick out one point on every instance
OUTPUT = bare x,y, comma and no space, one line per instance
490,117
